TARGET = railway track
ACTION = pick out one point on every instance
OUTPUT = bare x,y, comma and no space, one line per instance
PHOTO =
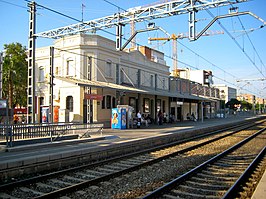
67,181
220,177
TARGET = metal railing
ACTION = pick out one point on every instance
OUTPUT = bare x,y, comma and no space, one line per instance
16,132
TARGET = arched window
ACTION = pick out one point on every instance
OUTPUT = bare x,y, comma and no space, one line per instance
69,103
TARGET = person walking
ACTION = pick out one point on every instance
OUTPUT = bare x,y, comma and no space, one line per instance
160,117
139,119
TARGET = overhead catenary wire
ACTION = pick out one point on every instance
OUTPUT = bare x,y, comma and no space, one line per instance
251,42
62,14
13,4
96,58
238,45
245,31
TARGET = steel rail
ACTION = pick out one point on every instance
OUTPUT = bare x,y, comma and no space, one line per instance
165,188
34,179
66,190
236,187
132,168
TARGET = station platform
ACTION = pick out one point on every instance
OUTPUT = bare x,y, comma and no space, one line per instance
260,191
21,155
113,135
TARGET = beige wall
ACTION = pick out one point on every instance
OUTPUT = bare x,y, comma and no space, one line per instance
102,50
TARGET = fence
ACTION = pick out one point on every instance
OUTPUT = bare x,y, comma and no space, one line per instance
54,131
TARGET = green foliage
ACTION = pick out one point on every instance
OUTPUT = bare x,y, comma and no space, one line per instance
232,104
15,74
246,106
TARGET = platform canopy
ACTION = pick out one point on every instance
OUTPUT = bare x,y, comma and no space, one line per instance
99,84
107,85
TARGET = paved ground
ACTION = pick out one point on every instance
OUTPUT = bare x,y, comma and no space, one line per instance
115,136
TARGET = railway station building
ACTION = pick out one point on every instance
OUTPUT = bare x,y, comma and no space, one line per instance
91,78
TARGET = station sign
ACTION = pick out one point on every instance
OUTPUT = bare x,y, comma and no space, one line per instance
179,103
93,97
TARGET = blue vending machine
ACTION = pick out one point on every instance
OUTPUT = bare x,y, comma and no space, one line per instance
119,119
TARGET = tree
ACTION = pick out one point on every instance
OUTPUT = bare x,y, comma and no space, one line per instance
246,106
15,74
232,104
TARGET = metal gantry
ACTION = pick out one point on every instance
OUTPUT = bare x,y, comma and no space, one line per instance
139,14
132,15
1,73
31,65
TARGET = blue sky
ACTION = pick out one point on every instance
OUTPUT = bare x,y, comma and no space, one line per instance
229,59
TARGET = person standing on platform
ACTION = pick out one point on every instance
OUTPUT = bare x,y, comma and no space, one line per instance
139,119
160,117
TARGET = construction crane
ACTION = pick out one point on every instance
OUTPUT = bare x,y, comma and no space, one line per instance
174,38
248,80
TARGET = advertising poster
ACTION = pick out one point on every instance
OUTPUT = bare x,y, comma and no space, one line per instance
45,114
123,118
119,118
116,118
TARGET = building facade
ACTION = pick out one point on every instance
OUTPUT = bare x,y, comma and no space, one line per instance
91,78
226,93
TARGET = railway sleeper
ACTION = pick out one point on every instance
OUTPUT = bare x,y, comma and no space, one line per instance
217,177
131,162
191,195
123,165
231,163
221,168
207,185
60,183
85,175
94,172
112,166
218,173
7,196
237,157
44,186
106,170
226,165
200,190
167,196
28,190
73,179
224,171
205,180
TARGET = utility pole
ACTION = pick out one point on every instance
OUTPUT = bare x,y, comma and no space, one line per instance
89,102
1,75
51,86
31,65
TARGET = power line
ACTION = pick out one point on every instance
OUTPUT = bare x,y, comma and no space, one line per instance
62,14
13,4
238,45
114,5
135,42
250,41
207,60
